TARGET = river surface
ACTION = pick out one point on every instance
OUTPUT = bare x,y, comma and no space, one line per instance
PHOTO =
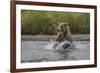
35,51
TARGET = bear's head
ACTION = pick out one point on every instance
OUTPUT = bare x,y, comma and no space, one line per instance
62,27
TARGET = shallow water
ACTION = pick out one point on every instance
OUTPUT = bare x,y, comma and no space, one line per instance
34,51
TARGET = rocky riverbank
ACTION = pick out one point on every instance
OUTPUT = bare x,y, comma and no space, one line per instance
76,37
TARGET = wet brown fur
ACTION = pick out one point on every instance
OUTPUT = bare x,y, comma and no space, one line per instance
63,33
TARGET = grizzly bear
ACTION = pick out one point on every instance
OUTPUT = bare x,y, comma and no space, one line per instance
63,33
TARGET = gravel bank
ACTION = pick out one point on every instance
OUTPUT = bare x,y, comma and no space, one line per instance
76,37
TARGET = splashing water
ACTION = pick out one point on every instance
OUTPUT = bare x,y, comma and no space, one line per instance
40,51
59,46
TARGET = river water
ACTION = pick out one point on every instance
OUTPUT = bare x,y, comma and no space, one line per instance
34,51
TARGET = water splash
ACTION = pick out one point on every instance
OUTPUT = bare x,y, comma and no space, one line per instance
40,51
59,46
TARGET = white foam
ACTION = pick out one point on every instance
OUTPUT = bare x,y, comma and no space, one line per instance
50,46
